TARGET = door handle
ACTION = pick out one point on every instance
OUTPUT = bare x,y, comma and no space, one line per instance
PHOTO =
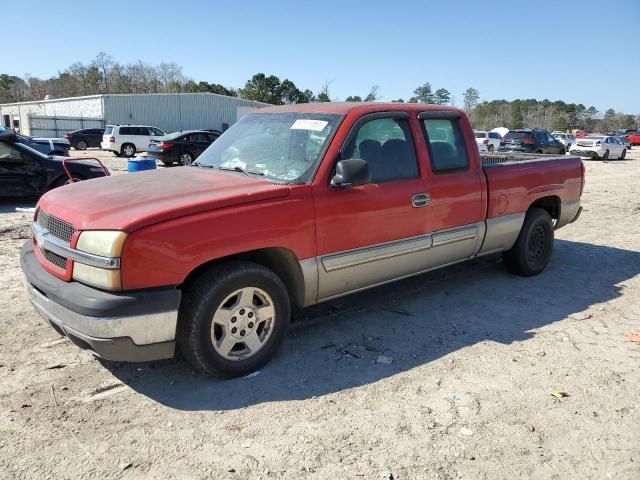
420,200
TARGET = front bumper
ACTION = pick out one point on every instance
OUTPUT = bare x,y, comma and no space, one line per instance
122,326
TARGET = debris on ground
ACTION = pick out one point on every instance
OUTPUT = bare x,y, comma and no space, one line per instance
466,431
125,465
384,359
633,337
252,374
559,394
580,316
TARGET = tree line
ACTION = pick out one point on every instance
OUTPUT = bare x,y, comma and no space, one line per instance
104,75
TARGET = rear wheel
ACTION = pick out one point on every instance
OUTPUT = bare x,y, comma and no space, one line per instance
233,318
186,159
532,251
81,145
538,151
128,150
562,151
490,148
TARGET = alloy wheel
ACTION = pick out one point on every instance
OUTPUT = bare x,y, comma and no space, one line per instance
243,323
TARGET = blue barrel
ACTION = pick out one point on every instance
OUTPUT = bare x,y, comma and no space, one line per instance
140,164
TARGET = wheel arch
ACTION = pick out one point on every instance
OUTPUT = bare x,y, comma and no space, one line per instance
281,261
551,204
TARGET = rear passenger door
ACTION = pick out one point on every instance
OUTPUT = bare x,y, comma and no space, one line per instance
456,186
375,232
200,142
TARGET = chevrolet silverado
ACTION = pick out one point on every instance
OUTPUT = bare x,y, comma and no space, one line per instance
292,206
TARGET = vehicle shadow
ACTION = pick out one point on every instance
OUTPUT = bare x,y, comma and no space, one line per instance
413,322
9,206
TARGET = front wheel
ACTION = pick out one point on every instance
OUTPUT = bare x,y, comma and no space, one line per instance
233,318
606,155
562,151
623,154
81,145
532,251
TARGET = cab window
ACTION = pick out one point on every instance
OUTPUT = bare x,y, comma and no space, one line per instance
387,146
447,149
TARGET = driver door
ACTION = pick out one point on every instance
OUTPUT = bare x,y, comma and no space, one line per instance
372,233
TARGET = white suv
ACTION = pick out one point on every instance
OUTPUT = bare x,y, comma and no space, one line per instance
491,140
126,140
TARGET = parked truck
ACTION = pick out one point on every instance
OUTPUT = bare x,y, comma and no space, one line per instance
292,206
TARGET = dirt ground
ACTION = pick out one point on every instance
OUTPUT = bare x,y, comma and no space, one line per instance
444,376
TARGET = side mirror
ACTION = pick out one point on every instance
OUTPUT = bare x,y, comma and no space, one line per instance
351,173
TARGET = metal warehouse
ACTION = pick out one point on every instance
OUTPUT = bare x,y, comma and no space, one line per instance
168,111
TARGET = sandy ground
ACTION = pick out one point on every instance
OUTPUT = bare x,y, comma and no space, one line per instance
474,352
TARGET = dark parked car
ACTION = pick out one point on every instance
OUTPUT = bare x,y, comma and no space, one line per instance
85,138
25,172
532,141
181,147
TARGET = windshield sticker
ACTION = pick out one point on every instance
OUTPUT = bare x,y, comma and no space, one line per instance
313,125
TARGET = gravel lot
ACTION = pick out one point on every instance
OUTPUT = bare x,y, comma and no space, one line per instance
474,352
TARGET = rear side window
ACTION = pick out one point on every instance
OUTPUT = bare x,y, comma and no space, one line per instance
127,131
199,137
447,149
108,130
480,134
494,135
387,146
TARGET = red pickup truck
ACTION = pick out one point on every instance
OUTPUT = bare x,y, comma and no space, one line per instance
292,206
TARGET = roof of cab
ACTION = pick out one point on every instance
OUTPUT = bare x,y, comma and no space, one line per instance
344,108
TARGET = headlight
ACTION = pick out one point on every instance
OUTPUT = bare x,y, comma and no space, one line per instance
107,243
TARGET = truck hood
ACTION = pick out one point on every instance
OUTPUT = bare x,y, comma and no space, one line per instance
132,201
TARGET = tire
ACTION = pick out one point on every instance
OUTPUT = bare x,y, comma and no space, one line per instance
538,151
623,154
606,155
64,180
562,151
128,150
490,148
81,145
167,164
532,251
210,345
186,159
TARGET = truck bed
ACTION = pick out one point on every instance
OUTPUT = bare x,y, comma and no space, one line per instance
538,175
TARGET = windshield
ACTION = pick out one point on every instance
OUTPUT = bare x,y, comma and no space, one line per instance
286,146
480,134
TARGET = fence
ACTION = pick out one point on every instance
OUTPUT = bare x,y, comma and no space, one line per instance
54,127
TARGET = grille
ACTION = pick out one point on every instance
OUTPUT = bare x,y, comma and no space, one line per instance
56,259
58,228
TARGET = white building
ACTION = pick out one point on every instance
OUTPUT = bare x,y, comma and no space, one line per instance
167,111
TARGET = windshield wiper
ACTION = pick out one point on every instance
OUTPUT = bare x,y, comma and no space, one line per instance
201,165
237,168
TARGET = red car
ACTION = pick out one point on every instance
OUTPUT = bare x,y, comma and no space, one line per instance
633,136
292,206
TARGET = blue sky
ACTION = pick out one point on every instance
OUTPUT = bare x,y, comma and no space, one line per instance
578,51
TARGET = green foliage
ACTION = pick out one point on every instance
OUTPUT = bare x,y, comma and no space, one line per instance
423,94
442,96
351,98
